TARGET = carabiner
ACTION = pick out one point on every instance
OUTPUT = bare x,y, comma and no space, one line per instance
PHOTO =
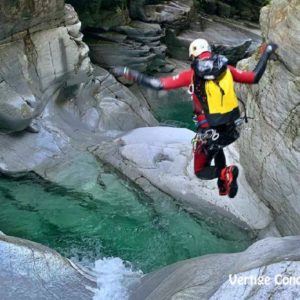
191,89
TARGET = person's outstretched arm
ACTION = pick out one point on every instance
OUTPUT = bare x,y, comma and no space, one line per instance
165,83
255,75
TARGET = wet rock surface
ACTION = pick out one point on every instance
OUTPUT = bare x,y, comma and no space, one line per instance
173,14
31,271
207,277
159,159
122,36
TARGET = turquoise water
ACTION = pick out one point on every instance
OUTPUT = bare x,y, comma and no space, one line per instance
108,218
97,214
175,109
177,113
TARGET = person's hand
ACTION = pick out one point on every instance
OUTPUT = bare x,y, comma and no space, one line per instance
128,73
271,47
138,77
118,71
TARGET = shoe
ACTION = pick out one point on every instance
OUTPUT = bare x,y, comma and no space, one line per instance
229,176
222,188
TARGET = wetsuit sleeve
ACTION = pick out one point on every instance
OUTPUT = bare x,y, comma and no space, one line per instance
148,81
242,76
182,79
255,75
165,83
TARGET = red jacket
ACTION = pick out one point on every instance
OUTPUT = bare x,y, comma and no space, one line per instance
185,79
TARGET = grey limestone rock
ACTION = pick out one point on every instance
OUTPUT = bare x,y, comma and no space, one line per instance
207,277
31,271
32,15
173,14
136,45
34,66
228,39
79,116
48,85
272,164
159,160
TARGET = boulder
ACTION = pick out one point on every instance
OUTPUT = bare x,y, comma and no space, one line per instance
159,159
136,9
272,162
208,277
31,271
235,9
103,104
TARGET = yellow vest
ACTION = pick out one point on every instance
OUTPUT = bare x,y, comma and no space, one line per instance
220,102
221,97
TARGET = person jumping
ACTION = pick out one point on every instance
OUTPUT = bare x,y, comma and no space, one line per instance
210,81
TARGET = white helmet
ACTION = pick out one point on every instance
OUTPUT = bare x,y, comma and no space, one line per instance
198,46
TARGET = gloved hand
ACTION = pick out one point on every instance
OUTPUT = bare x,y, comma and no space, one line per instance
271,48
138,77
266,53
118,71
127,73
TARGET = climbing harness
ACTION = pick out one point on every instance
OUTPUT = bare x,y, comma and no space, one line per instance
191,89
205,137
210,134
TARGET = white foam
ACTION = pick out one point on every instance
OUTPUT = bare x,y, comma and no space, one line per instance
114,279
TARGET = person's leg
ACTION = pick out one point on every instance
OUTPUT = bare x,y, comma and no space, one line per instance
220,160
229,177
220,163
202,162
227,180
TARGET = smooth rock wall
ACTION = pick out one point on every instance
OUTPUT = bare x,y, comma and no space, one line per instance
34,66
270,151
33,15
48,85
